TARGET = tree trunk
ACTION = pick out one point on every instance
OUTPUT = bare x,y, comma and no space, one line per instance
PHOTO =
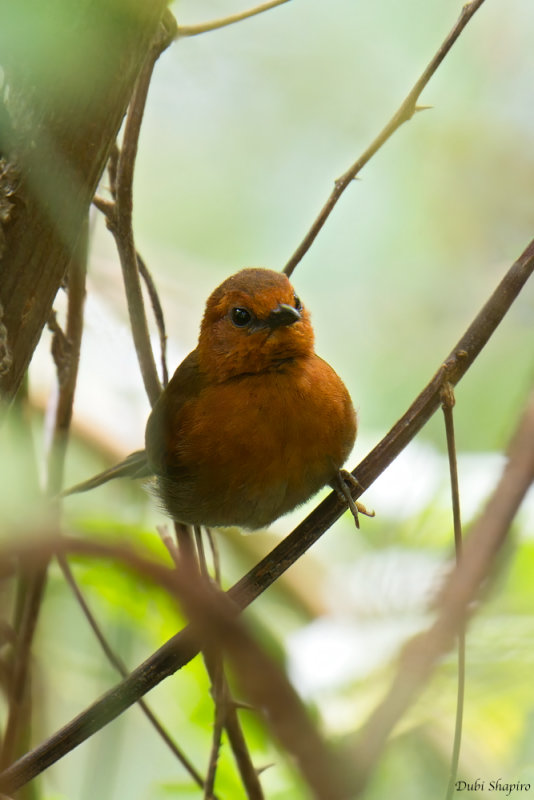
69,71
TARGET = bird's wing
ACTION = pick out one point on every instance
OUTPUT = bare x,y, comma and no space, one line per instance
164,428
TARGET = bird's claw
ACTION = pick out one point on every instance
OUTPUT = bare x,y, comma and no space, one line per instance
344,483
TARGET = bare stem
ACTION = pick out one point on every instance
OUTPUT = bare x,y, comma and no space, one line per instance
123,232
67,364
120,218
225,706
19,706
448,405
405,112
158,314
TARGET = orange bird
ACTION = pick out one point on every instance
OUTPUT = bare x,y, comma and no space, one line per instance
253,422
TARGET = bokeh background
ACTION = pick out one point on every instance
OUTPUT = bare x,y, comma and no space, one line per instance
245,130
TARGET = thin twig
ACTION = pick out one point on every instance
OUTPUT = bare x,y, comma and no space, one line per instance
405,112
213,666
225,705
249,774
158,315
19,712
113,165
120,220
118,213
214,669
67,371
184,646
201,554
194,30
16,667
123,231
447,406
215,556
186,547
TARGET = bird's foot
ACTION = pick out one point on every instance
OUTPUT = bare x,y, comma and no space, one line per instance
345,481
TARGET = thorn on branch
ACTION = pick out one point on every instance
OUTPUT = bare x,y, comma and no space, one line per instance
260,770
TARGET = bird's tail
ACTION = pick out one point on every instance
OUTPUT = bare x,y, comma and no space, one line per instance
134,466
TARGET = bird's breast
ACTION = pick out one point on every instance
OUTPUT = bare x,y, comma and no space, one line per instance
246,451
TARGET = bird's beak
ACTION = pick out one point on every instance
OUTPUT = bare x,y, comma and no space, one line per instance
283,315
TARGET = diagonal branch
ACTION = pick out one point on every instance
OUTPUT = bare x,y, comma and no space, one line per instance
214,618
183,646
405,112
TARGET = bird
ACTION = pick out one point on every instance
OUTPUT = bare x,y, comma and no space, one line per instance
253,422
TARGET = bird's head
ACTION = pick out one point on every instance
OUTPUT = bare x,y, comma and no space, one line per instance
253,322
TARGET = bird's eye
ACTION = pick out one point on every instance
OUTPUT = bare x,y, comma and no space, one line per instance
298,304
240,317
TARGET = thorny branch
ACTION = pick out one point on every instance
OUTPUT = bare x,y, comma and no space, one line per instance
404,113
183,646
